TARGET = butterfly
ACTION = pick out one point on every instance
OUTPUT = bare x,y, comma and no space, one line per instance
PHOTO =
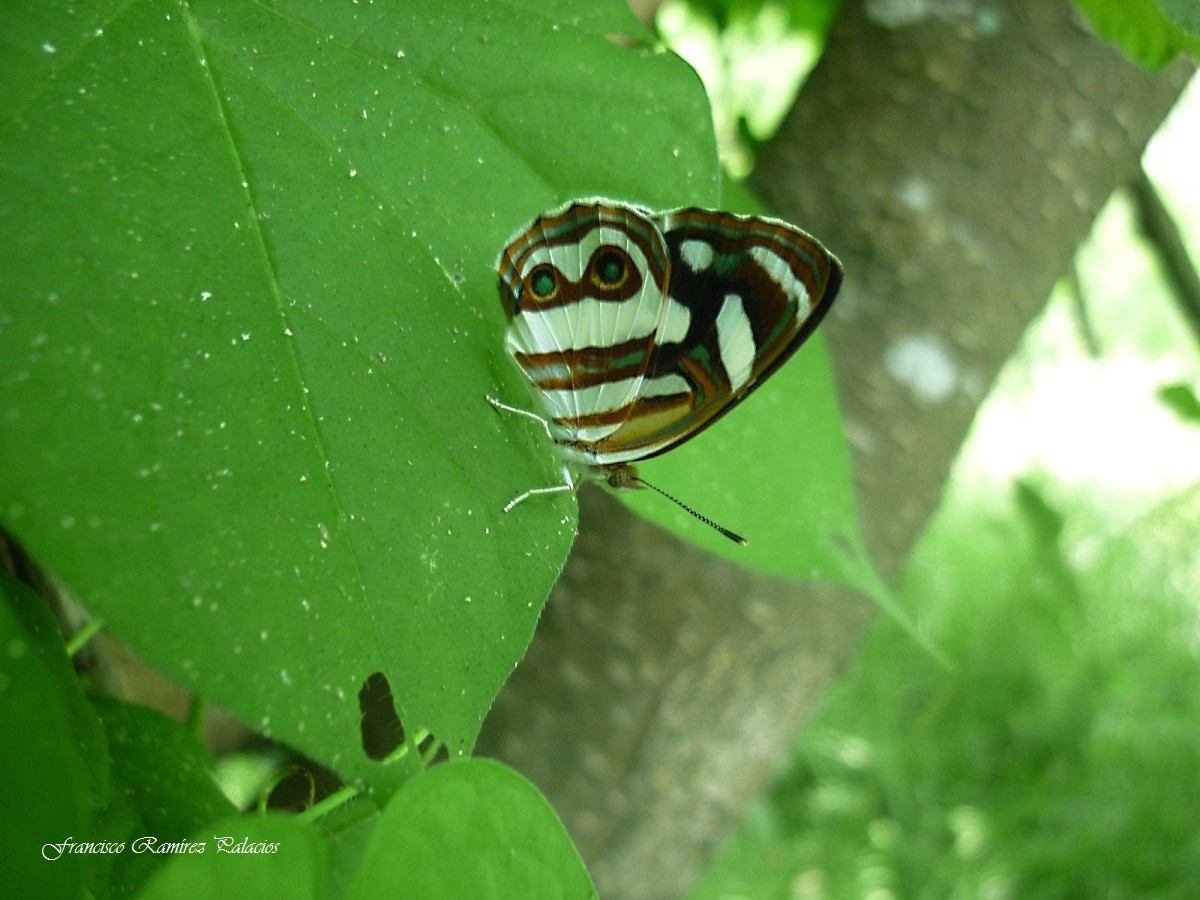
638,329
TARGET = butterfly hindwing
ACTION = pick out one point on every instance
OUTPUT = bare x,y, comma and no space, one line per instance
584,288
753,289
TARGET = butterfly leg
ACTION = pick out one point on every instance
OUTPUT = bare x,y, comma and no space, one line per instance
568,482
520,412
567,485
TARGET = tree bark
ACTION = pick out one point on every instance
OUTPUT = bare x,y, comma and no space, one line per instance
954,162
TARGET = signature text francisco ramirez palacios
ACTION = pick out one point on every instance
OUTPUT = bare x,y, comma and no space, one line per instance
149,844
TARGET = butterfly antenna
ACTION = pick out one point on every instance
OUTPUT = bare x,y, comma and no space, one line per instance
736,538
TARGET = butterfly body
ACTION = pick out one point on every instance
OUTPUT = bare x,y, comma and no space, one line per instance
638,329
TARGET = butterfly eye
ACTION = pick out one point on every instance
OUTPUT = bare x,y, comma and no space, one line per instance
543,282
610,266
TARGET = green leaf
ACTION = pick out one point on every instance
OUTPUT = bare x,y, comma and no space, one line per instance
249,319
1184,14
162,784
471,828
1181,399
163,769
53,759
1141,30
253,856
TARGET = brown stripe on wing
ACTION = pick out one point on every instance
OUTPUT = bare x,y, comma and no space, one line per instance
586,367
646,414
653,423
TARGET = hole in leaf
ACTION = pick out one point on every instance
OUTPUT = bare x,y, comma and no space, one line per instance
298,784
439,755
382,731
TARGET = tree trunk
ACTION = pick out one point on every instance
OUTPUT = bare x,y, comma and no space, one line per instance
954,163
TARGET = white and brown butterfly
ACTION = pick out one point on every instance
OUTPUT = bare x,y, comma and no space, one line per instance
639,329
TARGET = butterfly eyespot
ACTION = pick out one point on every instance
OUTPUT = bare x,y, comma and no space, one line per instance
610,267
543,282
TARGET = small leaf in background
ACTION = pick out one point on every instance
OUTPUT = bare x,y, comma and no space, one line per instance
1143,29
164,774
470,828
53,759
163,768
1184,14
1181,399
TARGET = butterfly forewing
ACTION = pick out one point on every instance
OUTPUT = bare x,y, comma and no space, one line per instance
584,288
752,290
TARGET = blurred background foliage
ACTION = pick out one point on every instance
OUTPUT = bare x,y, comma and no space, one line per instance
1060,756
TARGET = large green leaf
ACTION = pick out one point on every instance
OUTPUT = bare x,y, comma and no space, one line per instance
249,319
